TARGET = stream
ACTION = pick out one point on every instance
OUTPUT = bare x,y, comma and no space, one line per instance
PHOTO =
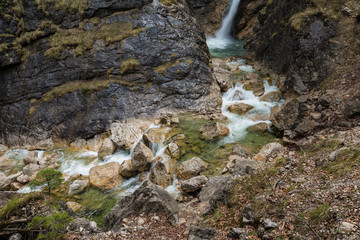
78,161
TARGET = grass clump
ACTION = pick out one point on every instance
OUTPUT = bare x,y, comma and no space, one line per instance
81,40
162,68
168,2
128,65
4,47
17,203
84,86
346,161
71,6
297,19
319,214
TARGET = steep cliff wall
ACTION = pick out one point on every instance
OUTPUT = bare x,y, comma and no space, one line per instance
70,68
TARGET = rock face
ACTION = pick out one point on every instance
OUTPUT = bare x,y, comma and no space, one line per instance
305,46
149,198
190,168
57,85
214,131
105,176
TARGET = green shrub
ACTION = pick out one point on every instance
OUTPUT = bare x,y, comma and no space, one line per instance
54,226
48,177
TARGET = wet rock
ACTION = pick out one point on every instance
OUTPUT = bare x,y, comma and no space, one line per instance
214,131
201,233
173,150
107,148
269,150
161,172
268,224
3,149
193,184
78,143
31,157
126,170
154,136
215,192
95,143
76,207
16,186
31,170
271,97
141,158
258,116
77,187
287,117
238,96
219,63
240,108
125,135
222,77
83,226
147,199
105,176
258,128
237,233
249,215
243,166
252,82
190,168
5,182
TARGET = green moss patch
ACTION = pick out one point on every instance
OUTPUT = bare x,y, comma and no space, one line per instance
128,65
81,40
72,6
168,2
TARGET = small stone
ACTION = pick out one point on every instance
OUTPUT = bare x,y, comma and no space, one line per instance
268,224
201,233
140,221
346,227
16,236
237,233
298,180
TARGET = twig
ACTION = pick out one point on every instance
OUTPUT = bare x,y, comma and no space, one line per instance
10,222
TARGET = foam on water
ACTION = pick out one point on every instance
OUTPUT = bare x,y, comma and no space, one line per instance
246,68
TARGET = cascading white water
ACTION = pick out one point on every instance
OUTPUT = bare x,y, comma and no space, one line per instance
222,37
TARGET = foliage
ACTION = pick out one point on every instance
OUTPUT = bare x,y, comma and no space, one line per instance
48,177
72,6
54,225
14,204
319,214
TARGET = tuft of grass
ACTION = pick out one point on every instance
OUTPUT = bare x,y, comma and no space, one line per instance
4,47
17,203
84,86
319,214
71,6
297,19
346,161
162,68
168,2
81,40
128,65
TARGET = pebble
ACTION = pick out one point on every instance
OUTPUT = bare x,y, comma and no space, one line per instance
346,227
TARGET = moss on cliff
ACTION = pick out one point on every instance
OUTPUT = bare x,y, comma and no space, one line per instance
128,65
168,2
72,6
81,40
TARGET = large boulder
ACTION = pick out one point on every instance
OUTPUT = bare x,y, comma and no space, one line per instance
107,148
244,166
258,128
253,82
240,108
271,97
270,150
288,115
193,184
201,233
173,150
223,78
31,170
154,136
190,168
216,192
105,176
6,181
77,187
126,170
161,172
214,131
125,134
141,158
147,199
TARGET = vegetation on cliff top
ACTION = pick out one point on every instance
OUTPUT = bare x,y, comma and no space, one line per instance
72,6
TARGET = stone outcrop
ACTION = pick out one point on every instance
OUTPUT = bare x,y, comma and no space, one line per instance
105,176
214,131
193,184
59,86
190,168
240,108
147,199
141,158
161,172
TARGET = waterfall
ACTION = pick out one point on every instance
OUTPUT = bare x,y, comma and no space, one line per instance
222,37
